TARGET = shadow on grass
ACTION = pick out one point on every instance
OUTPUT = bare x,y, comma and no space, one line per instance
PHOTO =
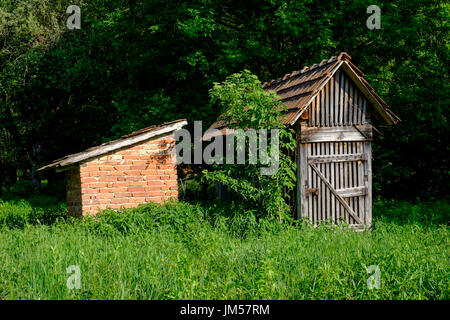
426,213
16,212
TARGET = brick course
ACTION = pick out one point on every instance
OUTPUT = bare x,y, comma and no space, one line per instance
125,177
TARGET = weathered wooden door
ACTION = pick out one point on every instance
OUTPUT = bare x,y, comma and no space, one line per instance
335,177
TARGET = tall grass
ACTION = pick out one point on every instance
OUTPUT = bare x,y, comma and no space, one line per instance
185,251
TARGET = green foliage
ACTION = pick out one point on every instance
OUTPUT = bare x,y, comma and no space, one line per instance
137,63
246,106
425,214
183,251
17,213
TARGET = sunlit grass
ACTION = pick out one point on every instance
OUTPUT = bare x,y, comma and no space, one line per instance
179,251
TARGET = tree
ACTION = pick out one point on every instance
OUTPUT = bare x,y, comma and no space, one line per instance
247,106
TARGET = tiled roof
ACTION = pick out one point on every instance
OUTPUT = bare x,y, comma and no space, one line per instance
296,89
129,139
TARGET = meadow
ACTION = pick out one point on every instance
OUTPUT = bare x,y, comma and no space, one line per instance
217,251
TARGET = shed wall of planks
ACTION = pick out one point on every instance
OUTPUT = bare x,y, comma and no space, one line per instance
334,156
339,103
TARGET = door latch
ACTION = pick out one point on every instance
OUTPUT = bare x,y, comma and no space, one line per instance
314,191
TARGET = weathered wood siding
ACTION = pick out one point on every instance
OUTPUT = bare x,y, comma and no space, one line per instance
339,103
334,156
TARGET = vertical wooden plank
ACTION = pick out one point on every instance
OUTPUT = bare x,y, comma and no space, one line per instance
352,179
333,183
298,183
312,117
325,104
354,104
363,104
336,181
347,173
361,183
322,109
322,187
341,99
326,193
317,105
360,102
318,186
314,175
327,101
350,174
368,178
309,198
351,108
303,180
309,114
341,176
349,103
365,181
327,175
355,179
357,106
317,202
336,100
345,102
348,179
330,103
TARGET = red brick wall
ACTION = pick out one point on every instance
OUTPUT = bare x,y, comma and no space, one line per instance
74,191
124,178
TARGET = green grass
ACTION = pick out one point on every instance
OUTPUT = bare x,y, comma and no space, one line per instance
185,251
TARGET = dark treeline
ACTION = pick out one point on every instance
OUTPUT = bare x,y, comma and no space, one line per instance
137,63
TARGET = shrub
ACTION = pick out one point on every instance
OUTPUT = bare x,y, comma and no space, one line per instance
247,106
35,210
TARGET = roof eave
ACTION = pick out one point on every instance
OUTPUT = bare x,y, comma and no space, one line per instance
380,106
324,82
79,157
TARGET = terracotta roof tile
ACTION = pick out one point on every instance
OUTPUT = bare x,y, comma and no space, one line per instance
296,89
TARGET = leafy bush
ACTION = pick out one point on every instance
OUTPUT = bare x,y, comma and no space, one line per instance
178,217
35,210
23,188
246,106
197,189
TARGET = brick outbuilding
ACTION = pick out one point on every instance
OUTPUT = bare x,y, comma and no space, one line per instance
134,169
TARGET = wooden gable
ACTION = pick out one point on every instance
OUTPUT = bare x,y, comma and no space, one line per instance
299,90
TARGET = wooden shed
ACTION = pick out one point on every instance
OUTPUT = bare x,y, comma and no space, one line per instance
333,111
137,168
